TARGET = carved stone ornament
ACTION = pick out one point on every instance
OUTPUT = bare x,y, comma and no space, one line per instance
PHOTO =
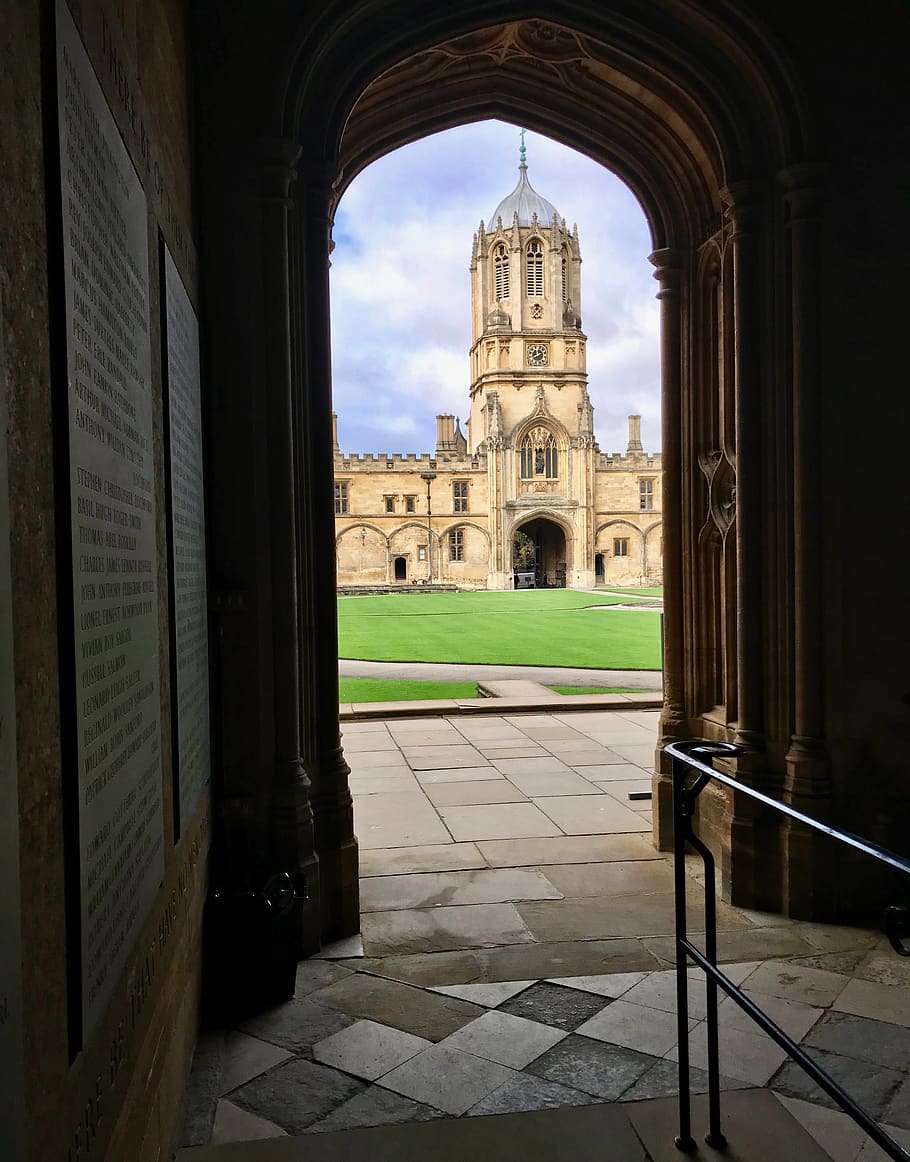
720,477
536,311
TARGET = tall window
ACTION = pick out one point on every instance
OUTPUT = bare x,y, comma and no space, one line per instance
409,503
390,504
341,499
565,278
646,495
501,272
460,496
620,546
539,457
456,545
535,267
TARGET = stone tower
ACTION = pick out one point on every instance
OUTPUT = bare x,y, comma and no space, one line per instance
530,410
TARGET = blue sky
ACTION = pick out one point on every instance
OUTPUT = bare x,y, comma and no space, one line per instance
401,286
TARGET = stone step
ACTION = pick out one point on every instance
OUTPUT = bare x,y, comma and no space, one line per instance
517,688
757,1126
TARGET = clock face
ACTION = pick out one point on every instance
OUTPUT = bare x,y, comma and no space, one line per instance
537,354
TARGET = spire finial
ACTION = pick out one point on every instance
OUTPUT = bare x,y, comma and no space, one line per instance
522,160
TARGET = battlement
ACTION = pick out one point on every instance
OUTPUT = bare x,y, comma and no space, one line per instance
409,461
393,459
626,461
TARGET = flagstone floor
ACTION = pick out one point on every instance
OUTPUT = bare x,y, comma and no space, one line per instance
516,943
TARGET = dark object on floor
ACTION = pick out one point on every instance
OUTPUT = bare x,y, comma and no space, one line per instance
252,940
640,795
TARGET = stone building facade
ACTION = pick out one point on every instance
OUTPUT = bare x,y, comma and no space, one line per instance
529,461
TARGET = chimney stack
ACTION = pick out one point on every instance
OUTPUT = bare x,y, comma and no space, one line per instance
445,434
634,435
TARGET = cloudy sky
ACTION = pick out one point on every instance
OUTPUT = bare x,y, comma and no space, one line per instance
401,286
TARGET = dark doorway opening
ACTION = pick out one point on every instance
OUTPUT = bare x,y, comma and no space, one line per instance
401,569
551,556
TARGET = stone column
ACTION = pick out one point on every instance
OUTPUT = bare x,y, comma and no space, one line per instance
808,779
291,816
750,839
668,265
332,805
743,213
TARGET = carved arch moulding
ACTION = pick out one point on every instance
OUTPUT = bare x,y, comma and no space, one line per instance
543,72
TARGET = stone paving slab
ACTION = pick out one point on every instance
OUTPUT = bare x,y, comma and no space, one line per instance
596,918
447,1078
584,815
568,849
389,1002
368,1050
468,793
611,879
498,821
442,929
435,889
427,858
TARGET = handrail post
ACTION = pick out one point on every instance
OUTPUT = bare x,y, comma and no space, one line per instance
714,1136
681,832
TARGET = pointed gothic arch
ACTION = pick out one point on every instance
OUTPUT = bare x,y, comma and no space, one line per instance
701,113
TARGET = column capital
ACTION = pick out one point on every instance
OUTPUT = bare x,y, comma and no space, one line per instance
668,264
743,202
277,167
319,180
803,187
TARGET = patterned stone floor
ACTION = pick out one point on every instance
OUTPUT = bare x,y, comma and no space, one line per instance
516,943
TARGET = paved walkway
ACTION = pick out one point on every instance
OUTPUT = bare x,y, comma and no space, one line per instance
457,672
516,955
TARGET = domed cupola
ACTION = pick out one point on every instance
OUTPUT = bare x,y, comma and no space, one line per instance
524,201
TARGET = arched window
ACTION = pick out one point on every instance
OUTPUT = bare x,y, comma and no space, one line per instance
535,268
501,272
565,277
539,456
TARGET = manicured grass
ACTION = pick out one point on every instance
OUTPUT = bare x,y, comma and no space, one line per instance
532,627
636,591
380,690
595,690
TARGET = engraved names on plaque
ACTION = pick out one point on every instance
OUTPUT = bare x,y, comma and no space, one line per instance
112,495
12,1146
190,619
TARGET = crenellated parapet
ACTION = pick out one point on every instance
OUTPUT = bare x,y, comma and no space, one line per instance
628,461
409,461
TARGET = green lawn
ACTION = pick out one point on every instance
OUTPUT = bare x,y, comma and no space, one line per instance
393,690
638,592
532,627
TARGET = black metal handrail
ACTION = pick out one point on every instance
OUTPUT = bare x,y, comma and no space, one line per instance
696,758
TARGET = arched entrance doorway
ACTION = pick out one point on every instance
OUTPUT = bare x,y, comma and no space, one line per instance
401,569
550,562
703,118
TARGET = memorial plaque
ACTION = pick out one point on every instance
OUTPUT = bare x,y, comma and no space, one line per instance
187,518
112,496
12,1146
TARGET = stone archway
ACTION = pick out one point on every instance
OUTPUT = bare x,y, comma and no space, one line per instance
703,119
551,561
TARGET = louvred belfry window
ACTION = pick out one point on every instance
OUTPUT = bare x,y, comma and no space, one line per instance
501,272
535,268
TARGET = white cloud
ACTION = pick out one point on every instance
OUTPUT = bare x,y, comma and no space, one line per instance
401,289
